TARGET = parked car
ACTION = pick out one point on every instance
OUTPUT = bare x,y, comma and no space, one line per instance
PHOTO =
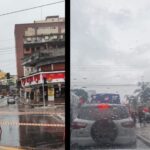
11,100
1,96
100,124
146,113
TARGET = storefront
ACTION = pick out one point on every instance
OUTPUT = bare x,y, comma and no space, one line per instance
45,86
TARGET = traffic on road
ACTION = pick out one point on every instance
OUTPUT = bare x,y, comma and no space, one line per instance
103,122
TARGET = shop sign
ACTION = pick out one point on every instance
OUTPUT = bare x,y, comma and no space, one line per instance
50,94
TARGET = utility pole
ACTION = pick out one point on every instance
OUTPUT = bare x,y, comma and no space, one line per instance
43,94
44,82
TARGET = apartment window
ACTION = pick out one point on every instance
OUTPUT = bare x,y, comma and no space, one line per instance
33,49
44,47
46,37
27,49
29,39
37,48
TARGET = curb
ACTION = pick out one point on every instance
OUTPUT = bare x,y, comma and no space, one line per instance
47,107
10,148
57,104
145,140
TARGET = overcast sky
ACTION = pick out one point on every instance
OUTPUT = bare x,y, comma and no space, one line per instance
110,41
7,56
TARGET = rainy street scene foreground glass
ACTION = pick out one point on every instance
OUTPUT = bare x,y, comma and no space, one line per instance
110,74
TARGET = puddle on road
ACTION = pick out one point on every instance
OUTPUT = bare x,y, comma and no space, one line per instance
31,136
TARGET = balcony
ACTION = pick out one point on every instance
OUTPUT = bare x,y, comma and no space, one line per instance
43,55
44,39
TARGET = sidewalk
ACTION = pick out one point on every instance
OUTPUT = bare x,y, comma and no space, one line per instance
49,107
40,104
3,102
143,133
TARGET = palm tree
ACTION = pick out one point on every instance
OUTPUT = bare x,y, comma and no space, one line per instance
143,92
82,93
132,100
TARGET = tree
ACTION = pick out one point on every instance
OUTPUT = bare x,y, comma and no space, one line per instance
8,75
133,101
82,93
143,92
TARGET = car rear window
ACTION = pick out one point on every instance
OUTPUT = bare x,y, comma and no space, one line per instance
95,113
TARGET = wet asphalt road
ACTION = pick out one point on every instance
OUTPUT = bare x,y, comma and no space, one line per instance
140,145
23,129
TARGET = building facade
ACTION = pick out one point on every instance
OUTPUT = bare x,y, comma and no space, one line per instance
41,61
52,24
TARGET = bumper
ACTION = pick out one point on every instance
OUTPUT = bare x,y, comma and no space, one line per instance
88,141
11,102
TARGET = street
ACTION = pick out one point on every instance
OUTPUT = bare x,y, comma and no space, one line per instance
26,127
139,145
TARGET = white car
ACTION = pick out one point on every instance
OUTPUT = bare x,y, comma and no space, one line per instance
11,100
100,124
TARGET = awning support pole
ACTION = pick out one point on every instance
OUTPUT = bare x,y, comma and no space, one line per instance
43,94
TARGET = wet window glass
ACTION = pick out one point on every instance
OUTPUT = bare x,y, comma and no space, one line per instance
94,113
110,74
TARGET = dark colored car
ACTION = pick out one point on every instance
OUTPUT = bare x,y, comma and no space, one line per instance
11,100
102,124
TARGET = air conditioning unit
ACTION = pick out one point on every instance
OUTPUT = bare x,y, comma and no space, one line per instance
46,37
29,39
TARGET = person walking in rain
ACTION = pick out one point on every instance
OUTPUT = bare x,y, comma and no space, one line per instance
133,115
141,116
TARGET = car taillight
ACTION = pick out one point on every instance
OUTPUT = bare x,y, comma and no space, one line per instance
78,125
103,106
129,124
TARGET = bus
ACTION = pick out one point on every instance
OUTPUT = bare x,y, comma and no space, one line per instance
106,98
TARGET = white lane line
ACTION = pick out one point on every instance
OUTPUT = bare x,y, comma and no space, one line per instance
30,124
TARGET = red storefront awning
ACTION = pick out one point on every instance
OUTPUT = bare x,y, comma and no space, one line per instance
51,76
38,78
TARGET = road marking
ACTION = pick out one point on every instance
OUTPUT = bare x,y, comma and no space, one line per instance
31,124
28,113
10,148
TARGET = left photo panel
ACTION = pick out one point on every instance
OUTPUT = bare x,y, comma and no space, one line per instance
32,75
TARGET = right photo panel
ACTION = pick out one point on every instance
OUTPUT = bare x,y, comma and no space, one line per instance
110,74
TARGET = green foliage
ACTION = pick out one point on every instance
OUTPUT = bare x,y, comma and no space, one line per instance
132,100
143,92
82,93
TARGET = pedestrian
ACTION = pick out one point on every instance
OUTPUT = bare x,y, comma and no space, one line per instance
141,116
133,115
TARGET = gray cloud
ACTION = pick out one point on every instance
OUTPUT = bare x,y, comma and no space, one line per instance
109,34
8,22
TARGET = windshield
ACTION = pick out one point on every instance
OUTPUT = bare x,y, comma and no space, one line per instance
106,98
110,58
94,113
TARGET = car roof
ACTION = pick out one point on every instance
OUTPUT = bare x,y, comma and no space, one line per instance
105,94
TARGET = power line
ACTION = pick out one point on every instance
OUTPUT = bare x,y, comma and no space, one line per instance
97,65
5,40
5,48
105,85
13,12
6,53
7,60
